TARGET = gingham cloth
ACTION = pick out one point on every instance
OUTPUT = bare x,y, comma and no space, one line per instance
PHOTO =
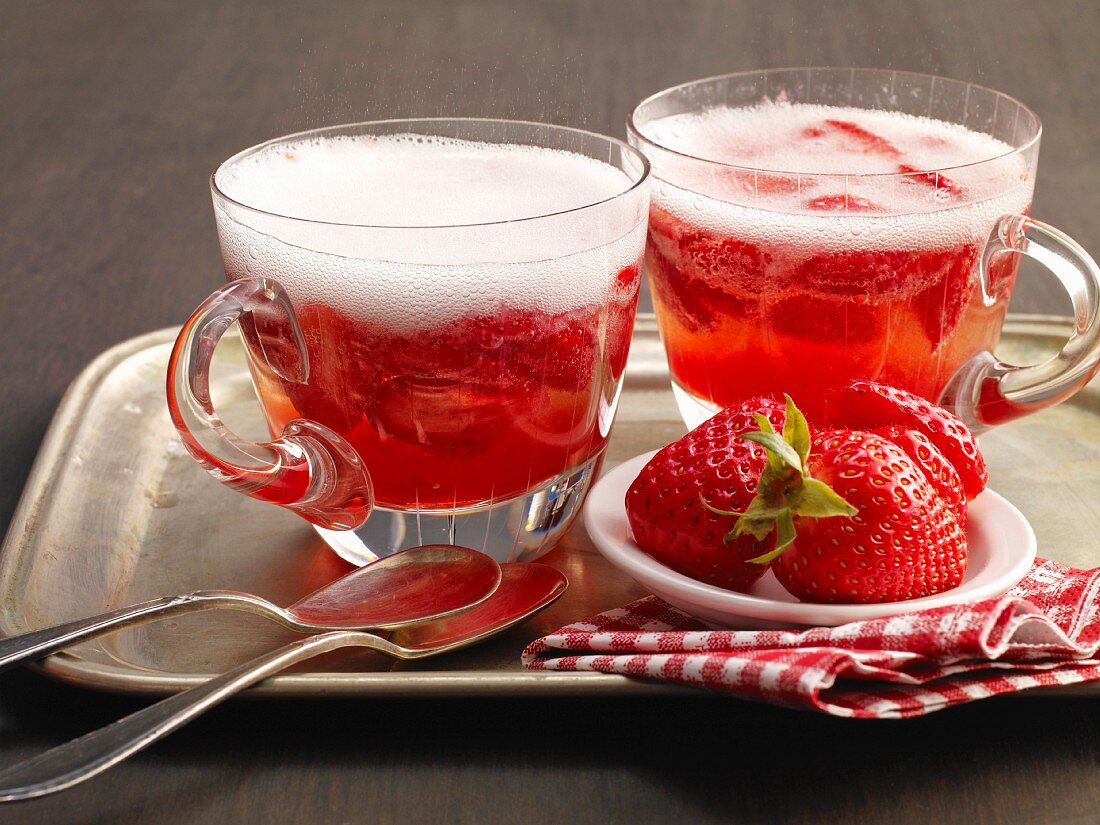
1045,631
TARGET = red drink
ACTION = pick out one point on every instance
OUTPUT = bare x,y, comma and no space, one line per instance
463,368
476,410
860,264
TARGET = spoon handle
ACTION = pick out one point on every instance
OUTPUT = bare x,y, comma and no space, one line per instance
16,650
91,754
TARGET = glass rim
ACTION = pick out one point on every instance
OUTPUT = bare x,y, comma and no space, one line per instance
634,131
220,194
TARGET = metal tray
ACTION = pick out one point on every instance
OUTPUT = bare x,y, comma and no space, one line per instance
115,512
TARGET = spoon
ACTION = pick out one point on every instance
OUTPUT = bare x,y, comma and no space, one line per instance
524,590
416,585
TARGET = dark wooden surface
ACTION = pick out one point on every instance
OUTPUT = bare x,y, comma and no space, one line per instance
113,115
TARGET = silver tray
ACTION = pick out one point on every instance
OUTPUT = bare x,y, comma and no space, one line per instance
115,512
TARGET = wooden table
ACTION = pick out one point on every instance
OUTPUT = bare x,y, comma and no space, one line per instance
113,116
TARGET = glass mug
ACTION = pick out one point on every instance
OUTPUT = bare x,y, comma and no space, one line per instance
450,365
794,247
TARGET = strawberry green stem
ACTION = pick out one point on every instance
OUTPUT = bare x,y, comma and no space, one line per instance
785,488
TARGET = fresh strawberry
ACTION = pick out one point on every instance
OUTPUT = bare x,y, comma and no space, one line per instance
869,406
665,504
871,508
902,542
940,472
854,518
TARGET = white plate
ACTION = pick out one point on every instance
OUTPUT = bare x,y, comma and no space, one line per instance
1000,542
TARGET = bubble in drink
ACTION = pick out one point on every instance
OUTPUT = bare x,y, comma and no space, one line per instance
831,243
464,370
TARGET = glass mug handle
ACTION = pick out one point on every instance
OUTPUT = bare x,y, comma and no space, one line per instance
309,469
985,391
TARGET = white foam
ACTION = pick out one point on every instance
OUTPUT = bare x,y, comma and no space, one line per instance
772,136
417,180
384,226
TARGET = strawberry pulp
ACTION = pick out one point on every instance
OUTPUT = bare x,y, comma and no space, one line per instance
480,409
777,284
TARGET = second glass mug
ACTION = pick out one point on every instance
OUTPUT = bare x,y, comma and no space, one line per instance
455,383
782,278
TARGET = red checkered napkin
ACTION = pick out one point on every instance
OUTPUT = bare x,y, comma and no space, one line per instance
1045,631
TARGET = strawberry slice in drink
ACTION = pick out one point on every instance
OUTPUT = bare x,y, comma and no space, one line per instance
762,184
842,203
937,180
867,142
568,352
620,317
941,304
699,276
862,140
813,318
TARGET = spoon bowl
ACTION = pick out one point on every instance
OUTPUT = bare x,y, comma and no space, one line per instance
421,584
524,590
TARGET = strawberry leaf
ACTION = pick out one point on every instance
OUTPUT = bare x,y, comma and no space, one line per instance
819,500
784,530
785,488
796,432
763,423
759,509
784,537
779,451
717,511
759,529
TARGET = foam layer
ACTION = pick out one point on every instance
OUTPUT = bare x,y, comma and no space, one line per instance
811,139
417,180
819,201
396,265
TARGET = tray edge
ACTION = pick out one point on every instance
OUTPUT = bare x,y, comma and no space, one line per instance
389,684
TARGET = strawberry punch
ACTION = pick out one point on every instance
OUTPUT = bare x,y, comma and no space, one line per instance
466,412
807,228
810,286
456,308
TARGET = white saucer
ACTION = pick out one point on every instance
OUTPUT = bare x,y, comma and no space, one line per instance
1000,542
